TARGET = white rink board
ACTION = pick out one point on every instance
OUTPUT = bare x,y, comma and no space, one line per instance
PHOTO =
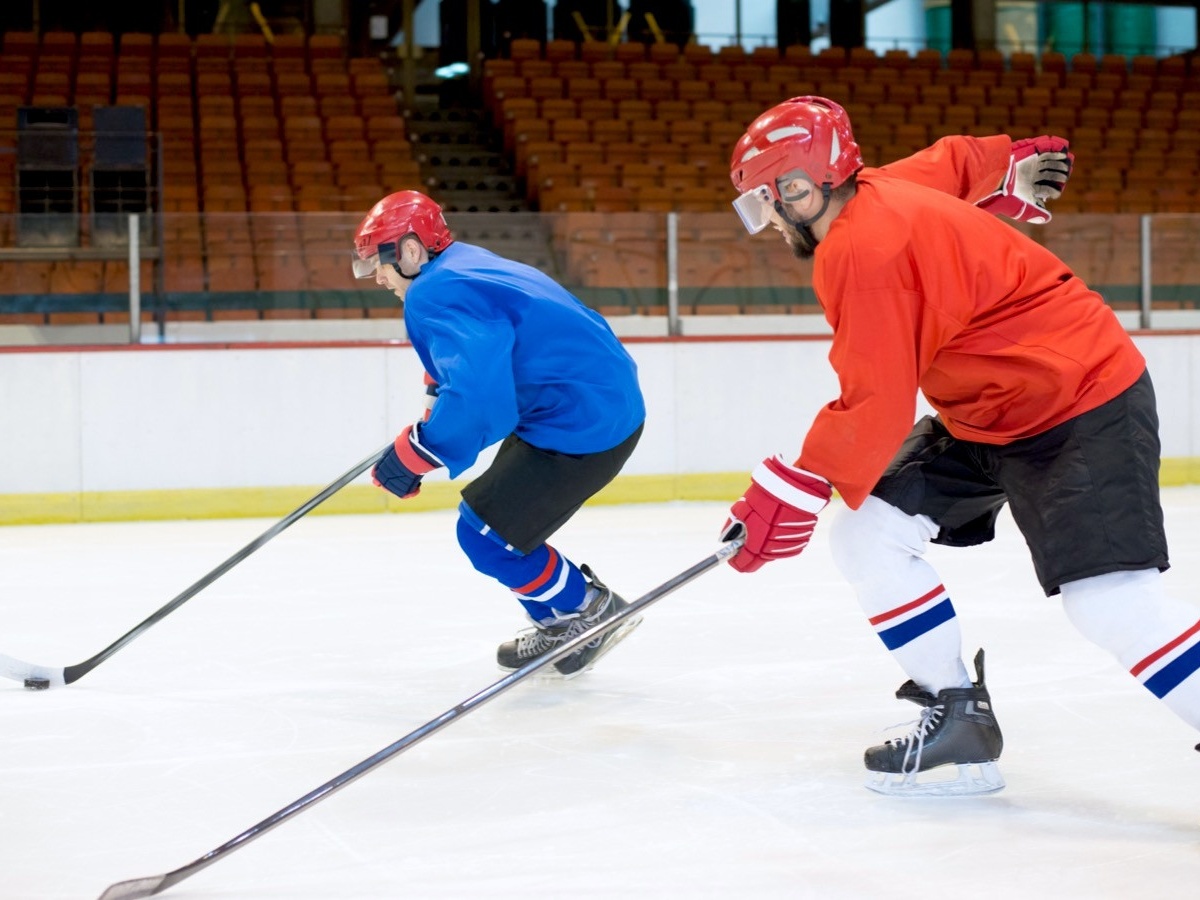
161,418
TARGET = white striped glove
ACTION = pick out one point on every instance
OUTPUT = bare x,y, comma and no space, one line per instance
1037,171
777,513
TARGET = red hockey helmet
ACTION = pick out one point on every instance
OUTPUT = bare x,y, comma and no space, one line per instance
377,240
805,135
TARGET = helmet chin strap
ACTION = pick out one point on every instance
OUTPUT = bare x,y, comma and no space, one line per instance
803,226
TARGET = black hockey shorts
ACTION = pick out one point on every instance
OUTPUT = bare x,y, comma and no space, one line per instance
1084,494
528,493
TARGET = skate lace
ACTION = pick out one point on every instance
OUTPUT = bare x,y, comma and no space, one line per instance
914,741
578,626
535,642
588,619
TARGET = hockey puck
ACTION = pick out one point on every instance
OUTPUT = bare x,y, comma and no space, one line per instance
37,684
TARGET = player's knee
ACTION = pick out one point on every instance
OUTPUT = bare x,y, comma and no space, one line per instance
486,554
1115,611
864,537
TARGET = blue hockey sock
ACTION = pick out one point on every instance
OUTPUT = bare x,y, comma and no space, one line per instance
544,581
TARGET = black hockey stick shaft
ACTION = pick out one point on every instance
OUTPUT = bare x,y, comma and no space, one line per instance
156,884
22,671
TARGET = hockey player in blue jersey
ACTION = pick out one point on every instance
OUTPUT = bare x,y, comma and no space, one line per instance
510,356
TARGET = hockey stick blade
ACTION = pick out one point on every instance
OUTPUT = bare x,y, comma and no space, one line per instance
138,887
148,887
42,677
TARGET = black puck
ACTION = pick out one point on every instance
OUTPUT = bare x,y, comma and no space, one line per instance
37,684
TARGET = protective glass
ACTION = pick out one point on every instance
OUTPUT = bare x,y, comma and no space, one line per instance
754,208
385,255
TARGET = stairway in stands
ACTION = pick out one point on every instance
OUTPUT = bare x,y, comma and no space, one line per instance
462,162
464,168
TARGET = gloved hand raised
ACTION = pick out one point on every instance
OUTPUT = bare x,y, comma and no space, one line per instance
1038,170
778,513
406,462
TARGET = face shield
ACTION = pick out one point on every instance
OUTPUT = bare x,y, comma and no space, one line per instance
754,208
384,255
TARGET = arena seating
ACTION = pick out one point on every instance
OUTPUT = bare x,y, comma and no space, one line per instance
601,137
247,127
271,152
695,103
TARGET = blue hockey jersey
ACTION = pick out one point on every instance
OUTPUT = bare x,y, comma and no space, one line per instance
514,352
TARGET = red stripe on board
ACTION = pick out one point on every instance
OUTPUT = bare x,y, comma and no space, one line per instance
1164,650
201,345
901,610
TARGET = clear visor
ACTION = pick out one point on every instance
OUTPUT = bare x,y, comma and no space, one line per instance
385,254
364,268
754,208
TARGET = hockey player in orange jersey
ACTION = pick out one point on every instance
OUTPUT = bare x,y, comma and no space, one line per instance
1042,400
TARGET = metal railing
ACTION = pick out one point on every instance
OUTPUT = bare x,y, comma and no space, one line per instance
662,268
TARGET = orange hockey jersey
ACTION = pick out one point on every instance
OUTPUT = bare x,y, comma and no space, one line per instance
926,292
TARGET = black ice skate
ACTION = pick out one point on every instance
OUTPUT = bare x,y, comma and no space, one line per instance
957,728
536,642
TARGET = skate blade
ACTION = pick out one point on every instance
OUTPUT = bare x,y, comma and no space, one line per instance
615,638
971,780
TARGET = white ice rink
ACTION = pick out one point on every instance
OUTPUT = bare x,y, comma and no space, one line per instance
714,754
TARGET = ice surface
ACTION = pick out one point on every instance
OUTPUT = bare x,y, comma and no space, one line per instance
714,754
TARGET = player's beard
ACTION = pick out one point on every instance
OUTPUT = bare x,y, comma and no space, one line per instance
803,244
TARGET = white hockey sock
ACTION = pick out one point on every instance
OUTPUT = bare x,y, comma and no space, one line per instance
878,549
1153,635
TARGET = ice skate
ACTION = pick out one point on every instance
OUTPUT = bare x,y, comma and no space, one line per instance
957,729
601,605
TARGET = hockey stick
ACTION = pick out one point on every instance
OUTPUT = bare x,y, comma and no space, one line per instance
156,884
42,677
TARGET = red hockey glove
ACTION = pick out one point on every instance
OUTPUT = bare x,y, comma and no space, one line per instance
1037,171
777,513
401,469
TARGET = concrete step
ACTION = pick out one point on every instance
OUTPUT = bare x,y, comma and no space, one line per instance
479,201
524,237
452,181
451,157
447,133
